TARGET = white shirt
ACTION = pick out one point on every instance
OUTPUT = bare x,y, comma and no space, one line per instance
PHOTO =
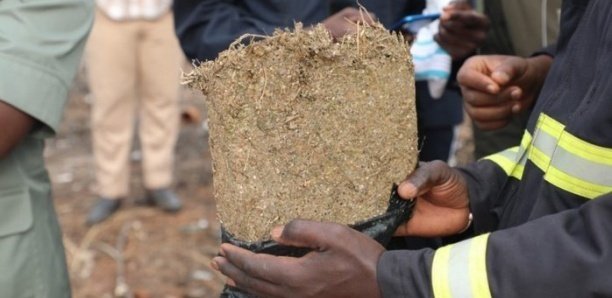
123,10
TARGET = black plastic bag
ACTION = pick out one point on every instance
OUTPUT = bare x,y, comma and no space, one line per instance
380,228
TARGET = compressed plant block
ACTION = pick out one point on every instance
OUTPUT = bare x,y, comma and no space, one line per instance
305,127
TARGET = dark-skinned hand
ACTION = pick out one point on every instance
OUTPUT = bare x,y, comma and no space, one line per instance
462,30
442,207
497,87
342,264
346,21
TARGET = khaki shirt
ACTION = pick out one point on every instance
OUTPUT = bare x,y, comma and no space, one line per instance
41,42
532,24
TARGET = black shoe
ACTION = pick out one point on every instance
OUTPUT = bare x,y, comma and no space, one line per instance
166,199
102,210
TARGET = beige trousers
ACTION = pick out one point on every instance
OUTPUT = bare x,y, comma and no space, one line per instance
134,72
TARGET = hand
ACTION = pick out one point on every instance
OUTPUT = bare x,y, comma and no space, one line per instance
497,87
345,21
342,264
442,207
462,30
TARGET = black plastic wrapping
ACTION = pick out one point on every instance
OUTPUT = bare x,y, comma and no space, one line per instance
380,228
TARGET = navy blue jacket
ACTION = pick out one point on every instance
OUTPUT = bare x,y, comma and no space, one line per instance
207,27
542,210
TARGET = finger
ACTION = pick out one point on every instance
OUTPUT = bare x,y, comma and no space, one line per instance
490,113
470,19
260,266
359,16
509,71
475,77
476,99
460,31
427,175
316,235
455,45
241,279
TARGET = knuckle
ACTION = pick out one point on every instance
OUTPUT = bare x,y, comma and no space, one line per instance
337,231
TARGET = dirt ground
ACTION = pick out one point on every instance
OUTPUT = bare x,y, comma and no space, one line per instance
141,251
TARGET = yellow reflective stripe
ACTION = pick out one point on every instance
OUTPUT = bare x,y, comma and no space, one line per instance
507,164
575,185
439,273
460,270
585,150
568,162
539,158
478,267
512,160
518,172
526,140
550,126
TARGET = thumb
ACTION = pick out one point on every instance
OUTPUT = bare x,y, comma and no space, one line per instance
509,70
426,176
303,233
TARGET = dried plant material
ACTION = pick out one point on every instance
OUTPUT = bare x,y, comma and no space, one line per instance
305,127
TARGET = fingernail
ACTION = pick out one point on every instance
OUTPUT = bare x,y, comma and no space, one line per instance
492,88
516,108
501,77
407,190
214,265
516,94
276,232
230,282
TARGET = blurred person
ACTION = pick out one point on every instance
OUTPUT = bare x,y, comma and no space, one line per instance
524,28
539,215
41,43
207,27
462,30
133,62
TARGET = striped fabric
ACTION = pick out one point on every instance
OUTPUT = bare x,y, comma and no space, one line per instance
567,161
460,270
124,10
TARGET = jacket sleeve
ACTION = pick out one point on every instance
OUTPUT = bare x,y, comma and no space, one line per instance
486,180
568,254
207,27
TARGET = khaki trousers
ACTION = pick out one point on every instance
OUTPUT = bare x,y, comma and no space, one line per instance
134,73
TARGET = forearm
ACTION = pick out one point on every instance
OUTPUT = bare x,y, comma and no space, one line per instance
567,254
14,126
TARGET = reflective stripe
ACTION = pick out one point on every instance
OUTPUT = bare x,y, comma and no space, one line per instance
505,159
568,162
460,270
512,161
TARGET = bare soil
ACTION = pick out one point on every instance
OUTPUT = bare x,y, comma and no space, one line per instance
141,251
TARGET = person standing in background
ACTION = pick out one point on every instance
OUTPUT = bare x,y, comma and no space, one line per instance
41,43
133,60
460,34
523,28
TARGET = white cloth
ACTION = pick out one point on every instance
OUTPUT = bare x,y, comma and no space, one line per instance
125,10
431,62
